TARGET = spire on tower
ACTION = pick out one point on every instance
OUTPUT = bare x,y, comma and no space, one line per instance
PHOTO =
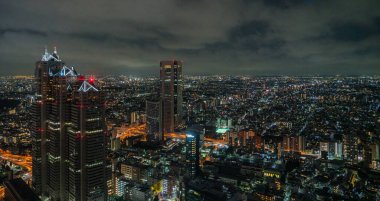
47,56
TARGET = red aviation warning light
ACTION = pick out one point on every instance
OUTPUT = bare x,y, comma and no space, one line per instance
39,129
81,78
92,79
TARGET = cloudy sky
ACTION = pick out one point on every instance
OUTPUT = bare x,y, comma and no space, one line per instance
263,37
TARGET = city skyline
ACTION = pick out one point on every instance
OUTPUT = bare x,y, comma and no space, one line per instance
200,100
242,138
228,37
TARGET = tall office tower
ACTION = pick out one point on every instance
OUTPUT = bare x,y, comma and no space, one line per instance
86,147
193,144
68,134
171,95
44,93
153,120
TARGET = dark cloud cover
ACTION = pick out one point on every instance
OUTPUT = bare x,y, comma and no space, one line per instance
267,37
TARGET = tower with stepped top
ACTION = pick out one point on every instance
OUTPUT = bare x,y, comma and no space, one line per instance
68,133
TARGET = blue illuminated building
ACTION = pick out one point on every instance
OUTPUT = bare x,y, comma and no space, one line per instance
193,143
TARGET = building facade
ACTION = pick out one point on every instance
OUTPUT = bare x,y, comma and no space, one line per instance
193,144
68,134
153,120
293,143
351,148
171,95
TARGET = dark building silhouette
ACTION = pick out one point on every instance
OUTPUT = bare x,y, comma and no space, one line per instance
18,190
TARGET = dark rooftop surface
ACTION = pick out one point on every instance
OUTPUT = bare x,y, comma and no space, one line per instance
21,190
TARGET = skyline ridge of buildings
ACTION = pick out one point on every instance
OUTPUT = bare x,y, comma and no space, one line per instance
194,138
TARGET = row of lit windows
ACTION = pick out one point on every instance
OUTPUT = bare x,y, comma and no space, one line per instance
268,174
54,123
72,170
52,158
94,164
54,129
93,119
94,131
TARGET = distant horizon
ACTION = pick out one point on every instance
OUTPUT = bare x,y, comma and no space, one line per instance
211,75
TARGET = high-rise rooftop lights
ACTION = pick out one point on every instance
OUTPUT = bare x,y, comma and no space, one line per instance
92,79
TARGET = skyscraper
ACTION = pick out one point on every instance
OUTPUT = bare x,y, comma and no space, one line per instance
44,93
152,120
86,147
68,134
171,95
193,144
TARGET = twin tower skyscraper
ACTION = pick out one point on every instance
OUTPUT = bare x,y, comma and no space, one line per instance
69,131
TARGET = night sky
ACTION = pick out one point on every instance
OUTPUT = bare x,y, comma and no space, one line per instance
235,37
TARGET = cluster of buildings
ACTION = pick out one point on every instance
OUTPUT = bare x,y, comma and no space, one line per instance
171,138
15,99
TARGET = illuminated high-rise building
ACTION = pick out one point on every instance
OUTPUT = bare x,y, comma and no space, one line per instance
68,134
194,137
351,148
44,100
171,95
153,120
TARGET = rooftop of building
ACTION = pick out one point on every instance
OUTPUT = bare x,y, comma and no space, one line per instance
20,190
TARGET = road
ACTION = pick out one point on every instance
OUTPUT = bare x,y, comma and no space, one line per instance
206,140
140,130
23,161
134,130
